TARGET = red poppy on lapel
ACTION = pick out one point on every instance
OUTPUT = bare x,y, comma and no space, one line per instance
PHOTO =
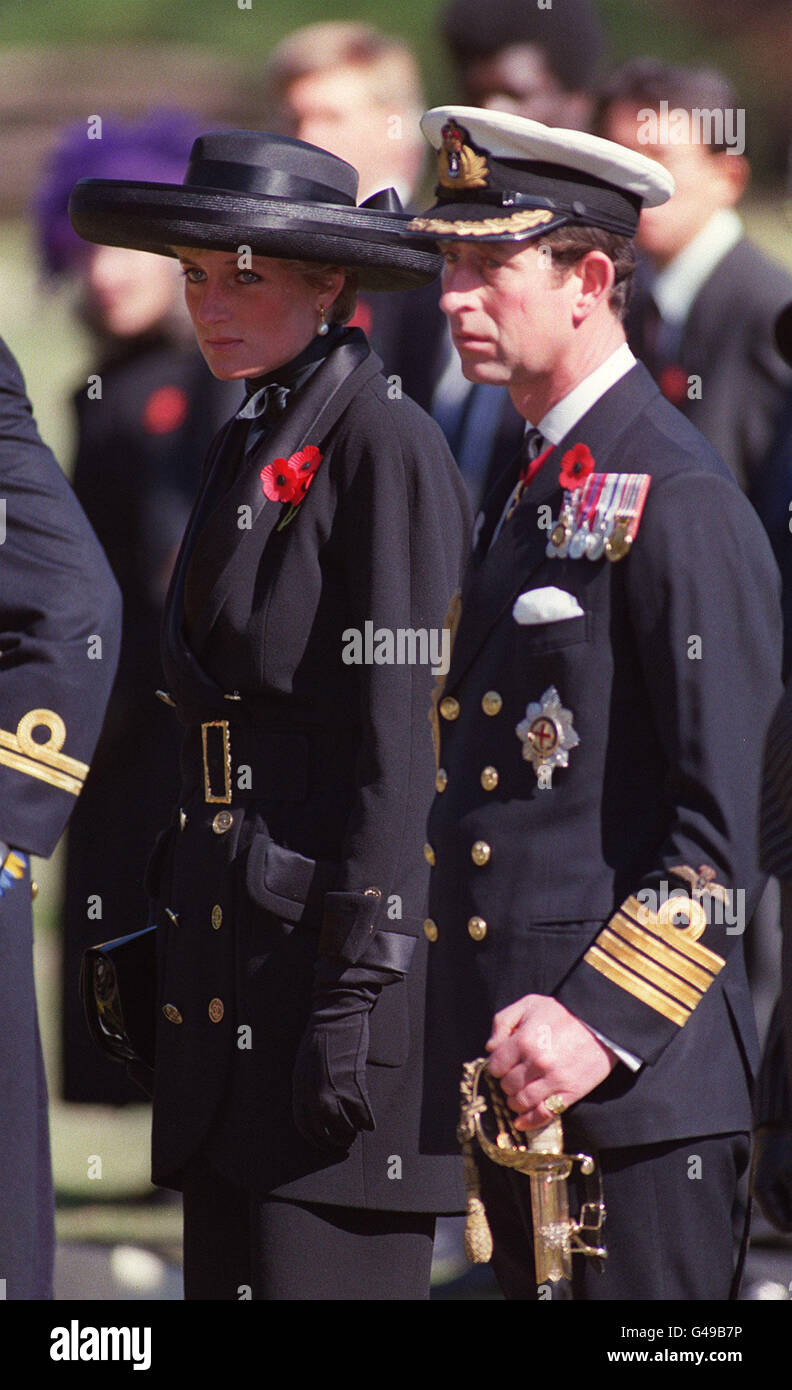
278,482
304,465
288,480
576,465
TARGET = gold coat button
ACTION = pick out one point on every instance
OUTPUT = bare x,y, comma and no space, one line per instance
217,916
480,853
172,1013
492,702
430,929
441,780
477,928
429,855
33,888
489,778
182,818
222,822
449,707
216,1010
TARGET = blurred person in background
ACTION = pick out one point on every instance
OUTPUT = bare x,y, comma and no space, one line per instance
703,312
144,419
357,92
541,63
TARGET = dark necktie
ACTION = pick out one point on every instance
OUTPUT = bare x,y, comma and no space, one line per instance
532,446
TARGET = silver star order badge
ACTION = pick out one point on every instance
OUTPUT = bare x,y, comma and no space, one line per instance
546,734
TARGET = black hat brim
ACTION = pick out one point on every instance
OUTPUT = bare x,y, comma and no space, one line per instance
157,217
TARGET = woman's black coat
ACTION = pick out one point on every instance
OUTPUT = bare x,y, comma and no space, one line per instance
331,773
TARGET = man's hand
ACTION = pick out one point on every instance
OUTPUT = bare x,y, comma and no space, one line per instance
538,1049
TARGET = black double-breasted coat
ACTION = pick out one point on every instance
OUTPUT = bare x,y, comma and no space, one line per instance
670,671
60,631
330,775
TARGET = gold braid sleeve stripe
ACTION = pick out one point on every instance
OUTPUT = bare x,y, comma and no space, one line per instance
673,936
649,969
44,774
664,955
487,226
619,975
45,761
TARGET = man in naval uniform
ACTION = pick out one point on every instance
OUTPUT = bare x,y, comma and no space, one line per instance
60,630
615,665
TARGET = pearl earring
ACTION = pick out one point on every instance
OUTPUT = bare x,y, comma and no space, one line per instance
324,327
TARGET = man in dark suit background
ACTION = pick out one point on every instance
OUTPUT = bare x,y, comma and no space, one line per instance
600,730
703,313
60,630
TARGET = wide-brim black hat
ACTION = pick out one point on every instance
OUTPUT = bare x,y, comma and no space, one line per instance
279,197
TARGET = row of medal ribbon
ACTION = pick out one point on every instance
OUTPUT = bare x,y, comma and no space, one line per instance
600,518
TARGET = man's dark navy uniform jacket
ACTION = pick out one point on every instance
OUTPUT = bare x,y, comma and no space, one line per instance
60,629
666,775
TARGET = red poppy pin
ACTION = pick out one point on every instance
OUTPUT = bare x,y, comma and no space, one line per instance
576,465
288,480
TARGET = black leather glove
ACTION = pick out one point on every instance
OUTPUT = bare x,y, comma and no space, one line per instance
772,1174
330,1102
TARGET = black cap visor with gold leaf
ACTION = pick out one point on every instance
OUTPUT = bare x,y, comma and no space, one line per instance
498,197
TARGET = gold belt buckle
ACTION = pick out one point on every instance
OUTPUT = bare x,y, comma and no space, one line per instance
209,796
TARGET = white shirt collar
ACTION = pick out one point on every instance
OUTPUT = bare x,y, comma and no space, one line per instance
564,415
676,286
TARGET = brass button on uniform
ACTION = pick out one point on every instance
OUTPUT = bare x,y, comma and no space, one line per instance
172,1013
33,888
216,1010
492,702
489,778
430,929
441,780
477,928
480,853
449,707
182,818
222,822
429,855
217,916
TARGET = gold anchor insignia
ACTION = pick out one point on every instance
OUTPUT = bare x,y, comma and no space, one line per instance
458,164
450,621
45,761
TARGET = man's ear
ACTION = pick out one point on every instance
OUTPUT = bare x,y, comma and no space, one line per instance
596,276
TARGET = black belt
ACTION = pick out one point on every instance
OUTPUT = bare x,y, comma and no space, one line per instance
237,763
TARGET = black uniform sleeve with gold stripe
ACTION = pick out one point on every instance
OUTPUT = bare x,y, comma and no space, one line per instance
60,626
706,622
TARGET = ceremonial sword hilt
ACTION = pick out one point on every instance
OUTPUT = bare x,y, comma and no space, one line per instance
486,1120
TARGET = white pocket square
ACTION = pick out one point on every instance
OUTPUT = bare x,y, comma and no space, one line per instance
548,605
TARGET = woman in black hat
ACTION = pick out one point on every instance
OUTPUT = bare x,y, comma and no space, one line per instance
306,605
